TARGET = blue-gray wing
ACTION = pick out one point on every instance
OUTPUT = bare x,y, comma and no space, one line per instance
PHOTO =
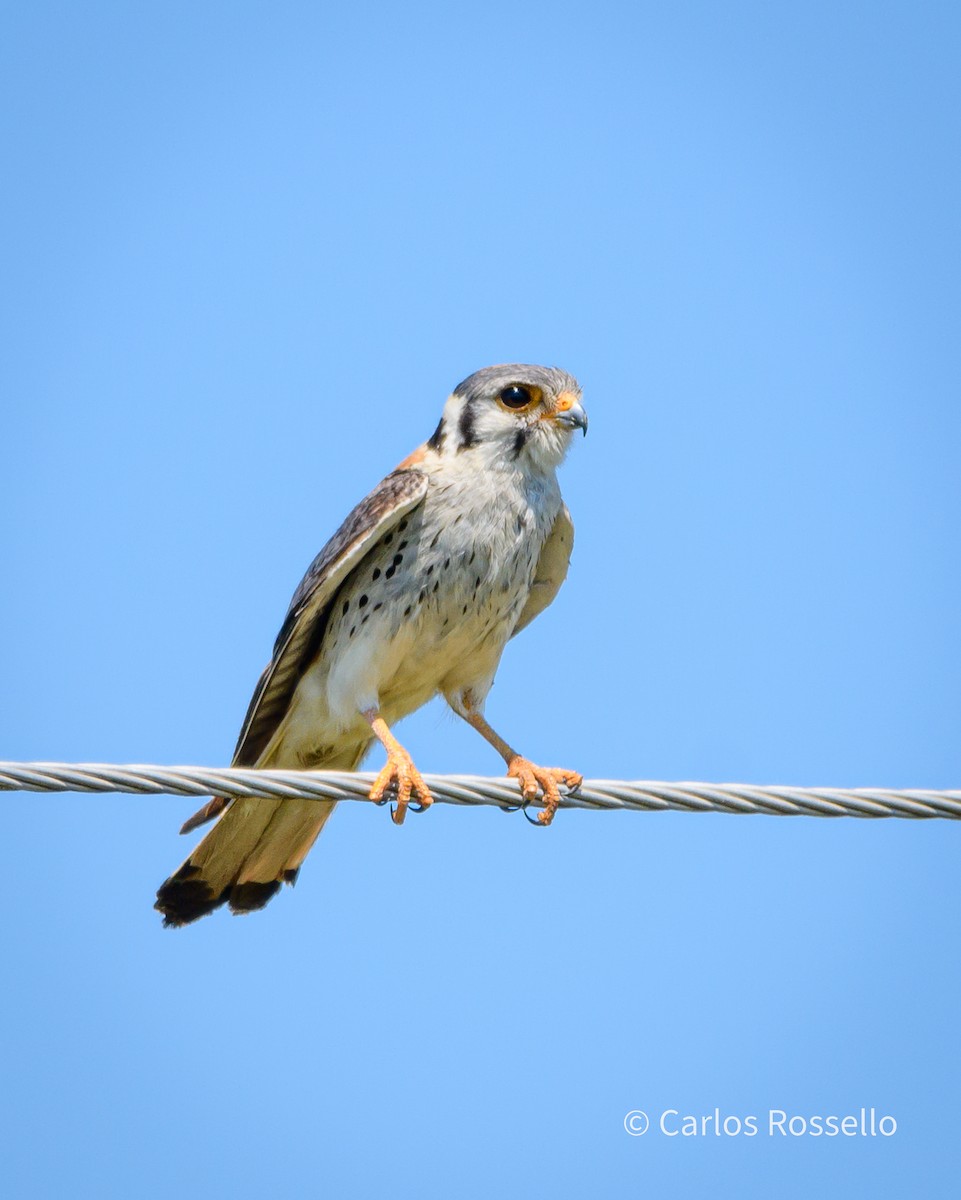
551,569
301,635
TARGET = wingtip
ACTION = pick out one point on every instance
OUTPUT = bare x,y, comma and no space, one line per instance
213,808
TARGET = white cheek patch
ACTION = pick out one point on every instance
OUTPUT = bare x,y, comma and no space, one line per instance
491,436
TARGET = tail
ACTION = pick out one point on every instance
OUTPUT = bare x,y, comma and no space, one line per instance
255,847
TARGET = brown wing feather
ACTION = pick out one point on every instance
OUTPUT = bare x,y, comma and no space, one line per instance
303,627
551,569
258,844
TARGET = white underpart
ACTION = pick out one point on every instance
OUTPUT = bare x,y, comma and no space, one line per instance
468,558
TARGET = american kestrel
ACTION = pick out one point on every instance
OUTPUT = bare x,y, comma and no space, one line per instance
416,594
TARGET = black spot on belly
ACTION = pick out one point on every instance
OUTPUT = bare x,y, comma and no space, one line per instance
407,610
376,574
343,611
362,602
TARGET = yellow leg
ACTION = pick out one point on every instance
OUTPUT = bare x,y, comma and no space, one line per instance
530,777
399,770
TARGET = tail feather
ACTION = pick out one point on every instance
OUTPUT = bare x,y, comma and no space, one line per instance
243,860
255,846
293,829
249,897
204,881
186,897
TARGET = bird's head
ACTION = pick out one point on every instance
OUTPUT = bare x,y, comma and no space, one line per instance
511,413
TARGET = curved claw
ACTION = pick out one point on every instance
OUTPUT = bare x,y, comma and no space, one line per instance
400,776
546,780
527,816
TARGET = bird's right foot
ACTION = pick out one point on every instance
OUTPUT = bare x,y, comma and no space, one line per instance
399,773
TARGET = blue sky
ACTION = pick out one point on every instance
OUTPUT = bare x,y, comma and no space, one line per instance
247,250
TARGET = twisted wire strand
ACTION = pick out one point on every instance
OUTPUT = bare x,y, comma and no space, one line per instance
596,794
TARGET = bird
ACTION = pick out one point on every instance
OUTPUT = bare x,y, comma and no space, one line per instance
416,594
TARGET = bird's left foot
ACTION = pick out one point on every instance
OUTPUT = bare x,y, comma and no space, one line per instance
534,779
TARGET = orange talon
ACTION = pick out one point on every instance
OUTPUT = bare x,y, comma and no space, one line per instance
399,771
544,779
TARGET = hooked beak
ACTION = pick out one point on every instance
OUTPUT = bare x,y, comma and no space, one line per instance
570,412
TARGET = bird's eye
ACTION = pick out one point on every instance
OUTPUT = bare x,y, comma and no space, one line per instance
515,396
